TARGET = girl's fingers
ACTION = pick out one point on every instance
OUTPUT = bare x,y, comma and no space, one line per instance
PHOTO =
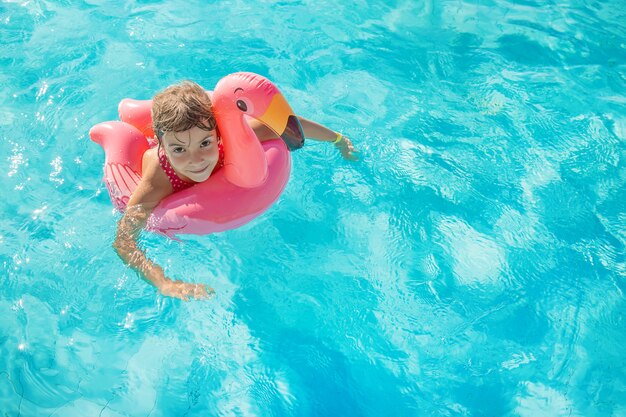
186,291
200,292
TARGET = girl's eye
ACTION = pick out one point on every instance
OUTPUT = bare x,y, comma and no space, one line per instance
205,143
178,149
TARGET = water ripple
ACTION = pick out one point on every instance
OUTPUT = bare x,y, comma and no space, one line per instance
471,262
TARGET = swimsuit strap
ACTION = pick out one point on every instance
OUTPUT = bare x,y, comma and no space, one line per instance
220,158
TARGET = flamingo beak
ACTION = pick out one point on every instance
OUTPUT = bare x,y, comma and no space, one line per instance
281,119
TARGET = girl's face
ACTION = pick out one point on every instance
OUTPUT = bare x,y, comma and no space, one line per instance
193,153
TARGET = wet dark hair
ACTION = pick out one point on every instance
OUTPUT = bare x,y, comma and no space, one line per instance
181,107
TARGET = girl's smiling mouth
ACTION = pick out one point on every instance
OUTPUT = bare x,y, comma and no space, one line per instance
200,171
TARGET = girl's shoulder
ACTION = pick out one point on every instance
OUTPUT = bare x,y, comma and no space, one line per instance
154,185
151,171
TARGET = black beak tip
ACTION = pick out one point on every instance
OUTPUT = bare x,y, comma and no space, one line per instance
293,136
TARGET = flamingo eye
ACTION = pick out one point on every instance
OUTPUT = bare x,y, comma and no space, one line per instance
242,105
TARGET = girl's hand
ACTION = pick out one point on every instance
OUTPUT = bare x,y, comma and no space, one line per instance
347,150
185,290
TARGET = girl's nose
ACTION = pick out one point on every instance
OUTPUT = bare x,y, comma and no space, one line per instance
197,158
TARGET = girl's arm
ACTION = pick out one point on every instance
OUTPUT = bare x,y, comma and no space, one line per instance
146,197
312,130
316,131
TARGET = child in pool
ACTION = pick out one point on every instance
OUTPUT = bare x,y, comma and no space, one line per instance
189,150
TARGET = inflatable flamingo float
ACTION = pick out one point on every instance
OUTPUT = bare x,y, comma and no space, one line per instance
254,173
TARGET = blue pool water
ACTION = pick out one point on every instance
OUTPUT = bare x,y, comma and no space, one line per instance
472,263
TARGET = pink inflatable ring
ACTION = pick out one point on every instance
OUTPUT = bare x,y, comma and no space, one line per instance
254,173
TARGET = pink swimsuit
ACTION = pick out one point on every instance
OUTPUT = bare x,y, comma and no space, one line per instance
178,183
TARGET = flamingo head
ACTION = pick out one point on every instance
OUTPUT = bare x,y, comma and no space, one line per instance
246,93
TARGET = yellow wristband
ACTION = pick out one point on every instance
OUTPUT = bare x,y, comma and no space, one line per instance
338,139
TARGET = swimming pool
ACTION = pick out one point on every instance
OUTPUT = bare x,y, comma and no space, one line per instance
472,263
